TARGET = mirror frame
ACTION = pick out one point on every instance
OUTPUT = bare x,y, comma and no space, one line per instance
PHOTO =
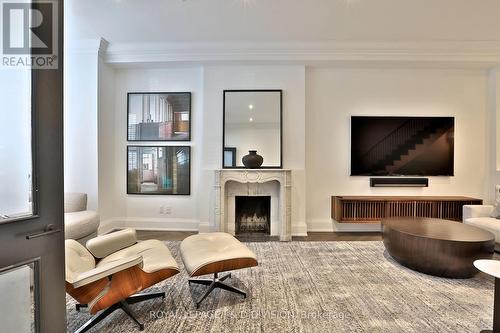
224,126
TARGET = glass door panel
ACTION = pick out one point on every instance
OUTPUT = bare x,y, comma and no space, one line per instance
16,166
18,287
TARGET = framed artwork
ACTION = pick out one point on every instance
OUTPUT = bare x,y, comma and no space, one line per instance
159,116
229,157
160,170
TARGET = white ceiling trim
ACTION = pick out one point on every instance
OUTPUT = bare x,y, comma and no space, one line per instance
97,46
481,54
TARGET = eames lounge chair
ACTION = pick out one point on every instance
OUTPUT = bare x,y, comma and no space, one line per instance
107,273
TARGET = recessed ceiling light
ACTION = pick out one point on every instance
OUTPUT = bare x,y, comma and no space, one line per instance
251,119
250,106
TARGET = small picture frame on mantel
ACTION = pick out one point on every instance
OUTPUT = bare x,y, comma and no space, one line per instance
229,157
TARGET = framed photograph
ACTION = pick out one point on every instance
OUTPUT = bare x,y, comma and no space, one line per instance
159,170
159,116
229,157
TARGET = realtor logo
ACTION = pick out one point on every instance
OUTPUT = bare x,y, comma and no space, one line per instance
29,34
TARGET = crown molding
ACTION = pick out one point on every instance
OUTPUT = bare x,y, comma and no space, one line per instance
478,54
97,46
103,46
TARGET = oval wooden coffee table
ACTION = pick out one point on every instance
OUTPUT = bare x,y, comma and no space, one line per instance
437,247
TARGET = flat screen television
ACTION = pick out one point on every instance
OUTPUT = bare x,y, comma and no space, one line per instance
402,146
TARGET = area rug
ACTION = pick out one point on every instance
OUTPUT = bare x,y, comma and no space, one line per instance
313,287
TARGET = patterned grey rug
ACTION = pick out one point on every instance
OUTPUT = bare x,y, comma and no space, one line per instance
314,287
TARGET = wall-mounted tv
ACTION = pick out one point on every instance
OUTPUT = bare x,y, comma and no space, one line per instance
402,146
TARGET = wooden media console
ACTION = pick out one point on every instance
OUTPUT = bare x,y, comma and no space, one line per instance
372,209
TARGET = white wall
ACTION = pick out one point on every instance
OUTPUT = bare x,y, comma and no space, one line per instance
118,209
289,78
493,128
80,124
316,135
334,94
106,139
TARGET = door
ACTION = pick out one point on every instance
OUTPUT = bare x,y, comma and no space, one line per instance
31,168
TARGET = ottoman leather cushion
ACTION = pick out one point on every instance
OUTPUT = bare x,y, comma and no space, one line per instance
215,252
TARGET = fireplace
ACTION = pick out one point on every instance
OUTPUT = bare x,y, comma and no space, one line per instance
228,184
253,214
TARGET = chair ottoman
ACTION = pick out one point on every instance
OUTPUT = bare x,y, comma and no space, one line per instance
213,253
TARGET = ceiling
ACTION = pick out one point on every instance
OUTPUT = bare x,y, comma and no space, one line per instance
167,21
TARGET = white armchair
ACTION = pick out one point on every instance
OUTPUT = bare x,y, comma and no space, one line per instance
479,216
473,211
80,224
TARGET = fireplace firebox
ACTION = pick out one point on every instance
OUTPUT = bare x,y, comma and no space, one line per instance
253,214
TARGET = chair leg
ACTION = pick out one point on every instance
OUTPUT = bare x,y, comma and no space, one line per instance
79,306
207,292
228,276
231,289
144,297
204,282
216,282
97,318
124,305
131,314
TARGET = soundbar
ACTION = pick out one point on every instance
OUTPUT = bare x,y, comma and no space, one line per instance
399,182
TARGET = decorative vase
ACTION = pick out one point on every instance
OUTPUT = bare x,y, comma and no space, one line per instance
252,160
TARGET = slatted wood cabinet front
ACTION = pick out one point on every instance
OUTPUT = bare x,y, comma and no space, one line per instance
372,209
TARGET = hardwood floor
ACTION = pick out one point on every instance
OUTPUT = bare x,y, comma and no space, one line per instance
311,237
341,236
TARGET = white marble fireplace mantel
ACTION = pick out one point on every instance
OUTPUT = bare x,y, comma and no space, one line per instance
230,182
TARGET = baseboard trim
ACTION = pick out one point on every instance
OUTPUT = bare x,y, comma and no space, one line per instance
109,225
148,224
299,229
204,227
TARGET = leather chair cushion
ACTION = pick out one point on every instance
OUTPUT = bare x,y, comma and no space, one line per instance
77,259
80,224
155,256
105,245
201,250
487,223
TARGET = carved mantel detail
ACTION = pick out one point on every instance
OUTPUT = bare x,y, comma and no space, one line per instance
246,176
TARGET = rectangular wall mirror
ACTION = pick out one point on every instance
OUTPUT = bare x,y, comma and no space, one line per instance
252,121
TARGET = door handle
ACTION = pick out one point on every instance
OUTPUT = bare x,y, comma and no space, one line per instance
48,230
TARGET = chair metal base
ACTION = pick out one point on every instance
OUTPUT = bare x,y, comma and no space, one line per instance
216,282
124,305
79,306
